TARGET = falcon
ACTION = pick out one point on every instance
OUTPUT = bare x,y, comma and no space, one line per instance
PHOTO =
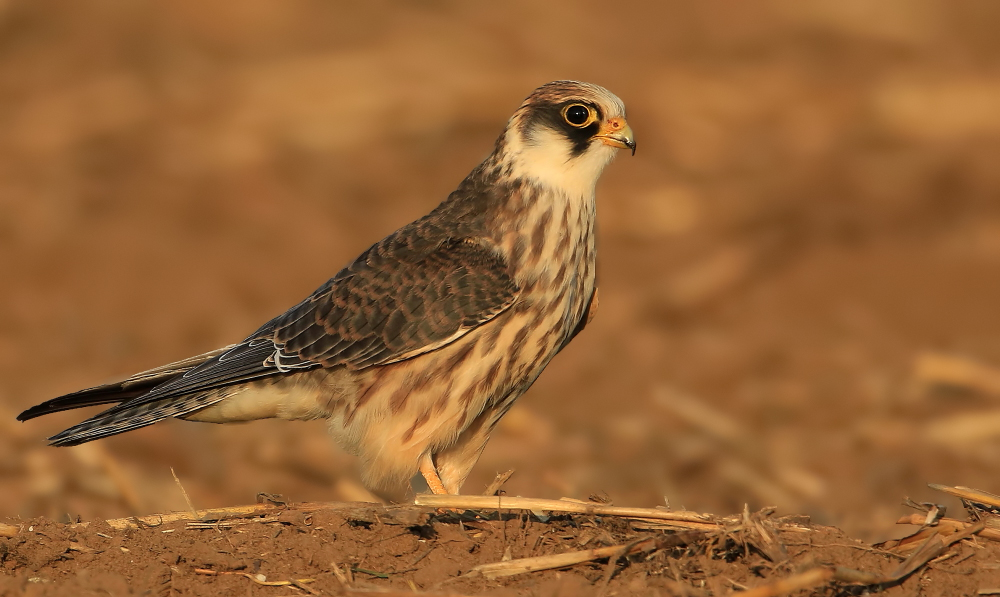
415,350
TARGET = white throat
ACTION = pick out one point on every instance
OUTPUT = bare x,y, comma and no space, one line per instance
545,158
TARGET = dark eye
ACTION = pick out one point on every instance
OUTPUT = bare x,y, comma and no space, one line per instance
577,115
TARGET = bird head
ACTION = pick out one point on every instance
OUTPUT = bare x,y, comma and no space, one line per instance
564,134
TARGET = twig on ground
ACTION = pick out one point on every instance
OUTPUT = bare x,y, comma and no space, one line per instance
562,560
260,579
80,547
944,526
422,556
498,482
341,578
230,522
375,573
362,510
969,494
609,570
187,498
298,584
688,520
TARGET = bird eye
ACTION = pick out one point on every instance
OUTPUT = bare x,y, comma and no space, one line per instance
578,115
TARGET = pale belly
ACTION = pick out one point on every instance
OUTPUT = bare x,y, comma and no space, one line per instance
402,410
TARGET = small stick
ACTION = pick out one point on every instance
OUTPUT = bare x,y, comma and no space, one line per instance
9,530
298,584
422,556
482,502
522,565
968,494
945,526
236,512
184,493
497,483
231,522
609,570
80,547
276,583
257,578
340,575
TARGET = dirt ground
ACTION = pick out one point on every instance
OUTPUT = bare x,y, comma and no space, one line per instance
361,549
798,268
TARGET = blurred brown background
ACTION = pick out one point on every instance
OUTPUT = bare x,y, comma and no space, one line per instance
803,249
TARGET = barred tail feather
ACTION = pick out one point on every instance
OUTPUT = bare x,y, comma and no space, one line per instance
123,417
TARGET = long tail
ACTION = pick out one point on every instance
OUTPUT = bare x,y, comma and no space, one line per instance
119,391
127,417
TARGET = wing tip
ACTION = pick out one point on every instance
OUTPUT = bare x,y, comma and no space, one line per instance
57,405
64,443
33,412
100,395
66,437
79,434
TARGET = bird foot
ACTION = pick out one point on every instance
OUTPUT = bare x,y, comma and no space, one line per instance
430,474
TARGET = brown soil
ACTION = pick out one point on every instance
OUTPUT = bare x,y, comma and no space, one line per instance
358,549
810,219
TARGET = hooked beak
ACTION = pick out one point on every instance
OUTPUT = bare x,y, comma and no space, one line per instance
617,133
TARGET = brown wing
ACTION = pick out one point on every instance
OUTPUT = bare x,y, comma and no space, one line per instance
391,305
404,296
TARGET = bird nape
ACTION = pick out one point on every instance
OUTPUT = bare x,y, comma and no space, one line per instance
415,350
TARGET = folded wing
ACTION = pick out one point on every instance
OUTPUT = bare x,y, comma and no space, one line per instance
403,297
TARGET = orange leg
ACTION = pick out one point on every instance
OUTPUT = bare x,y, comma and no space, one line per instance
430,474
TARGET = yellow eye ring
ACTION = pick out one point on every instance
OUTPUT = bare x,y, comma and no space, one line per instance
579,115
